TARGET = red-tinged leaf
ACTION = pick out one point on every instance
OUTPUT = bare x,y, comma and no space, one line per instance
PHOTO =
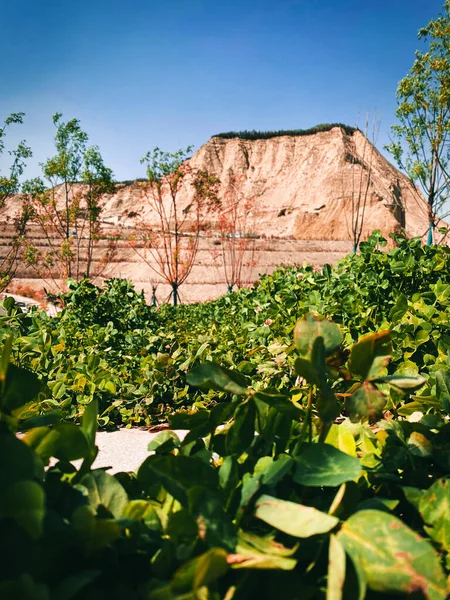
393,557
366,401
309,328
366,350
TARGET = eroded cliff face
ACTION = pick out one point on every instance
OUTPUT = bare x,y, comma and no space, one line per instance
307,187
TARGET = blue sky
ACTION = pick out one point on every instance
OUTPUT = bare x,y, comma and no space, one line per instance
170,73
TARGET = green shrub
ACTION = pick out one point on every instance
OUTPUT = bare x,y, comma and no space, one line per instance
265,135
264,498
108,345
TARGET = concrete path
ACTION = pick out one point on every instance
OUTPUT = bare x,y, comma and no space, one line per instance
125,449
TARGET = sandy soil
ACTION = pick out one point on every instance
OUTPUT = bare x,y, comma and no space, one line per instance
123,450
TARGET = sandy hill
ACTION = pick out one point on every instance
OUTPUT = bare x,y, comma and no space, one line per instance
304,189
304,185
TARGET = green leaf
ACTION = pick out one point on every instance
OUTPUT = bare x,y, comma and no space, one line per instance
266,544
215,526
399,309
336,570
25,588
21,387
177,474
24,501
402,382
309,328
111,387
165,441
229,477
250,487
241,433
413,495
443,389
9,303
211,376
254,552
17,461
280,402
327,405
94,532
49,418
304,368
70,587
189,420
65,441
341,438
142,510
419,444
89,421
276,470
442,292
106,491
59,390
292,518
393,557
366,401
5,358
220,414
200,571
434,506
366,350
318,359
323,465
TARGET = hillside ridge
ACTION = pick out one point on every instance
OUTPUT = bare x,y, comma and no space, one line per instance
303,188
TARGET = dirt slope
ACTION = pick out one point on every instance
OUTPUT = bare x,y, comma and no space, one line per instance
303,187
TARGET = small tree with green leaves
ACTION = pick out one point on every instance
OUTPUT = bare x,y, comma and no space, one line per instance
9,186
422,134
66,206
170,247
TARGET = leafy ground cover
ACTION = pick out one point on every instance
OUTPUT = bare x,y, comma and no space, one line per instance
108,345
317,459
266,496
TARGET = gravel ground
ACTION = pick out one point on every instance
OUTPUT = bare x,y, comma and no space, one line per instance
125,449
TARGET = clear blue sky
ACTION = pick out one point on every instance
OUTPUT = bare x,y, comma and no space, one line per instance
170,73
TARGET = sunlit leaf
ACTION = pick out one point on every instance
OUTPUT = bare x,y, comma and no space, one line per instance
323,465
393,557
292,518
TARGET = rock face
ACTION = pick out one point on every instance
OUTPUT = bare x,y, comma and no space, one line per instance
305,191
304,186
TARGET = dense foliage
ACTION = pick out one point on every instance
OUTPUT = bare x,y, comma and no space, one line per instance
421,145
110,346
265,135
265,497
69,219
316,463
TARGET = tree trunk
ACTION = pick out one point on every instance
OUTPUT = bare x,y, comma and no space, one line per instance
175,293
430,234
